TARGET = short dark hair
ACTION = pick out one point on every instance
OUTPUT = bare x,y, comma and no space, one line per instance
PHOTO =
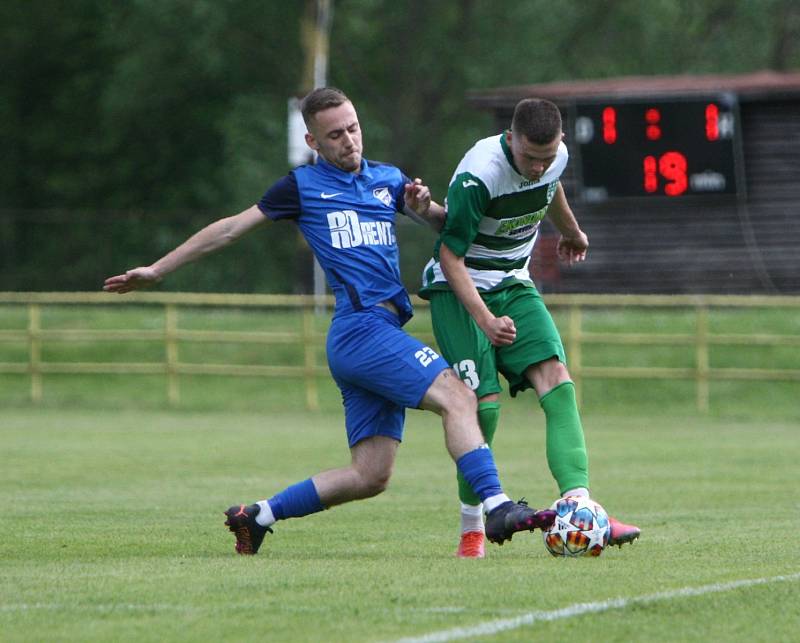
321,99
537,119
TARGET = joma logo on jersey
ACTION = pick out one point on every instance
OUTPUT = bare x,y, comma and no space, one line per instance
518,225
348,232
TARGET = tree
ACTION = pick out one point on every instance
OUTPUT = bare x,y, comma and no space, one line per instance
178,109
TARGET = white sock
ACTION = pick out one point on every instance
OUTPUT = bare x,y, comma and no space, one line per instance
493,502
471,518
265,517
580,492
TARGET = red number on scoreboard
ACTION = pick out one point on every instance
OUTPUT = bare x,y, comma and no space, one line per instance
610,125
650,174
670,165
712,122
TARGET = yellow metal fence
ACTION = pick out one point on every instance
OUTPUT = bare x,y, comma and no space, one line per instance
574,335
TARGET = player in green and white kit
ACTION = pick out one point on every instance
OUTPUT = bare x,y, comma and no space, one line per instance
488,316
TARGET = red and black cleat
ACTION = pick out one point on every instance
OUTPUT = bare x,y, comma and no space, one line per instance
622,533
249,534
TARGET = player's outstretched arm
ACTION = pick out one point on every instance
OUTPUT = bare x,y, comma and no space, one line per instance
213,237
134,279
420,207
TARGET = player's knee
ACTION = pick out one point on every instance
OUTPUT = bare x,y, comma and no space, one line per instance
547,375
460,399
374,483
372,465
560,369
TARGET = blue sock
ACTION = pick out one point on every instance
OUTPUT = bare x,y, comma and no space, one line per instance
480,472
298,500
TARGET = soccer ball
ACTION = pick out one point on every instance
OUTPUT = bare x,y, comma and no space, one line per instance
581,528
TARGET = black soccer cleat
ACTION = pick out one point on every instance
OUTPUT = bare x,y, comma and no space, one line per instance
510,517
249,534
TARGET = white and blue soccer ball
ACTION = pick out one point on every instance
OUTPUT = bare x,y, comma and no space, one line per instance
581,528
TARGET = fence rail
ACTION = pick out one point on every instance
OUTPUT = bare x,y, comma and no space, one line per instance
575,338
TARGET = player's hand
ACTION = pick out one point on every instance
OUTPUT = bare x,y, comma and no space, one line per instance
501,331
132,280
572,250
418,197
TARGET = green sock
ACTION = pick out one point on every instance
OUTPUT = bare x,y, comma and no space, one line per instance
488,416
566,448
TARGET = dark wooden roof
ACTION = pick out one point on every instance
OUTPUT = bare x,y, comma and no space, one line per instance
753,86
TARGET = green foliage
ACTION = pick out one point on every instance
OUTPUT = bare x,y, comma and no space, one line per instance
411,63
119,535
138,105
110,110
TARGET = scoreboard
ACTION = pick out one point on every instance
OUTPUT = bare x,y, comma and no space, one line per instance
684,184
657,147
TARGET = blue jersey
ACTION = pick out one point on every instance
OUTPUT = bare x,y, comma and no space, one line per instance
349,222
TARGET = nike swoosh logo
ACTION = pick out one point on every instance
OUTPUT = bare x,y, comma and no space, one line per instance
329,196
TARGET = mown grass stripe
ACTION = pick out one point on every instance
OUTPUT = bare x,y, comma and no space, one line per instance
490,628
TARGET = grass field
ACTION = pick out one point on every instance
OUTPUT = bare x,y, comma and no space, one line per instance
112,530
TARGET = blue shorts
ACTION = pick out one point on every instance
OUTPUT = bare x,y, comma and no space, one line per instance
380,370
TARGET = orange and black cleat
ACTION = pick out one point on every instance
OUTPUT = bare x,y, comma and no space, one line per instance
249,534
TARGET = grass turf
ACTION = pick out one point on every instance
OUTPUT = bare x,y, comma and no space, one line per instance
112,530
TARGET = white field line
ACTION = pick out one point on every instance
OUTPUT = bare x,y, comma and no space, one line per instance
489,628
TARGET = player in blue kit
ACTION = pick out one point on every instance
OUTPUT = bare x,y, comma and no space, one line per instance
345,207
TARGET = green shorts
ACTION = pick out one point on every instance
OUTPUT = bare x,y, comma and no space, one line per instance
473,357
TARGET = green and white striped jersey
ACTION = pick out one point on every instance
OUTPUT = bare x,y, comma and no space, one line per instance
493,216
